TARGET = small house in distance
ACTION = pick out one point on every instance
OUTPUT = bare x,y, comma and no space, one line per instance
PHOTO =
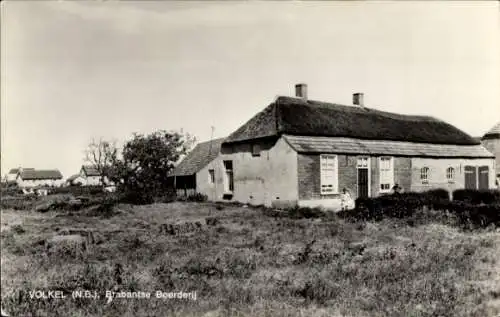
36,178
75,180
197,173
298,151
13,173
91,175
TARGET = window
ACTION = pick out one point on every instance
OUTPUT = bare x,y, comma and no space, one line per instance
211,176
424,174
362,162
255,150
386,173
328,174
450,174
229,182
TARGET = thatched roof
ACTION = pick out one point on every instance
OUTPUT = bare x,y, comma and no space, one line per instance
295,116
308,144
198,158
16,170
493,133
90,170
40,174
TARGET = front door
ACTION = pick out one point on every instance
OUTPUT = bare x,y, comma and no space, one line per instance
363,180
483,177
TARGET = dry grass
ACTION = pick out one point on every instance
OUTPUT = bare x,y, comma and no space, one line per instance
249,264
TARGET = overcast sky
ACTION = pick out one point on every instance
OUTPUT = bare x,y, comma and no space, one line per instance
75,70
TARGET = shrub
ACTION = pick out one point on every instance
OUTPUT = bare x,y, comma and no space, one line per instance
305,212
477,196
78,190
467,211
168,196
437,195
136,197
198,197
25,202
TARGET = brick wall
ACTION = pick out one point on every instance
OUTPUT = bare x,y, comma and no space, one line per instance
437,172
310,181
402,172
308,175
406,174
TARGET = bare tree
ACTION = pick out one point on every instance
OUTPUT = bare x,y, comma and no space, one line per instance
101,155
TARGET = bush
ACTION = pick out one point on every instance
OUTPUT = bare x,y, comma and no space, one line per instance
477,196
470,209
437,195
198,197
78,190
24,202
472,215
305,212
11,191
136,197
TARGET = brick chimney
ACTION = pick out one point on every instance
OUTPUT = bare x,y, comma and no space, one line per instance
301,91
357,99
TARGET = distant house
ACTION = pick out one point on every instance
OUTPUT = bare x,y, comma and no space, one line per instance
91,175
35,178
75,180
302,152
196,172
491,141
12,175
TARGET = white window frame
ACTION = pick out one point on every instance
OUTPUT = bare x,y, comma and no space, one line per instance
211,176
424,174
229,177
450,174
386,173
329,174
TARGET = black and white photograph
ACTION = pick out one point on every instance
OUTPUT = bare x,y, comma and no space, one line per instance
250,158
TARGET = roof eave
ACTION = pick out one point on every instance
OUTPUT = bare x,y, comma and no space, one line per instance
396,155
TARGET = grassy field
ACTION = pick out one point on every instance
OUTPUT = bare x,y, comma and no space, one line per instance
245,262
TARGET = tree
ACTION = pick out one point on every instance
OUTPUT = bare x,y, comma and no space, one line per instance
102,155
147,160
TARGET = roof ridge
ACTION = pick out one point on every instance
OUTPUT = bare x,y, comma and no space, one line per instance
363,109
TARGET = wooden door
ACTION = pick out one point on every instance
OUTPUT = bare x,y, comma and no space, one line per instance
363,182
483,177
470,177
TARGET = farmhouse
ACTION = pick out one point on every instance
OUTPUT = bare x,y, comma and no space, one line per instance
90,176
13,173
302,152
197,172
75,180
34,178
